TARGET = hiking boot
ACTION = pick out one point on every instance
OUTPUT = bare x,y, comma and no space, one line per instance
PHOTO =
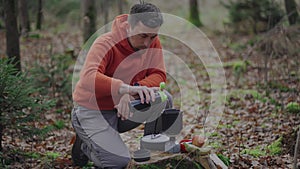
78,157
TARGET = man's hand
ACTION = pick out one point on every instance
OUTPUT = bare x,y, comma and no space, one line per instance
123,108
145,93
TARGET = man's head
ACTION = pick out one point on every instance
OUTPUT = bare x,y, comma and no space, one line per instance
147,13
144,21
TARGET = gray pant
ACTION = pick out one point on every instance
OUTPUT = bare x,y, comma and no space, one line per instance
99,131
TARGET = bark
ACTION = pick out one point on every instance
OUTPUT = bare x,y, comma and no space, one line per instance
194,13
1,14
1,134
39,15
89,18
105,7
296,149
120,5
24,17
291,10
12,34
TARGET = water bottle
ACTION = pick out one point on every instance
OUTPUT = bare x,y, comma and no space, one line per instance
160,97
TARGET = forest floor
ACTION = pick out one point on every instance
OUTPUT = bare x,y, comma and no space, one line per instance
255,117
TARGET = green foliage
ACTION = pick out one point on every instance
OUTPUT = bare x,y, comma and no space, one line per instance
62,9
225,159
214,134
254,11
256,152
254,40
20,105
55,77
149,166
215,145
60,124
293,107
240,67
52,155
178,163
47,129
34,35
238,47
279,86
275,147
32,155
89,165
241,93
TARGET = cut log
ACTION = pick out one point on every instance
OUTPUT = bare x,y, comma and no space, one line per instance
219,163
199,151
206,162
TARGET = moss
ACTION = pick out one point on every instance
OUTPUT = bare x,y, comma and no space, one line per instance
293,107
60,124
32,155
179,163
275,147
215,145
256,152
235,122
214,134
220,126
52,155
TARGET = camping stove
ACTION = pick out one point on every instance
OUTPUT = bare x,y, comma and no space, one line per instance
162,136
169,126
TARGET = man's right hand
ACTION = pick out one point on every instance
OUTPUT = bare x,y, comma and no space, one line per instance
145,93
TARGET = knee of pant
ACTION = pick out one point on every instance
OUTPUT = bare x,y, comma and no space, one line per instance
170,100
112,161
122,161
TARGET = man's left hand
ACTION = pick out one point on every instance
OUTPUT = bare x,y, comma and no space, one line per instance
123,107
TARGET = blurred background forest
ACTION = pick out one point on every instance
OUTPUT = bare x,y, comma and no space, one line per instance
258,42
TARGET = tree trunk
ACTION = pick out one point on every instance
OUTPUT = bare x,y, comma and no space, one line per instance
291,10
1,134
24,17
1,14
39,15
89,18
12,34
194,13
105,7
120,5
296,148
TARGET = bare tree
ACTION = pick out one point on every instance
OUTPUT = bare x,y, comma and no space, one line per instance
105,6
89,18
1,14
194,13
39,15
296,149
12,34
120,6
24,17
291,10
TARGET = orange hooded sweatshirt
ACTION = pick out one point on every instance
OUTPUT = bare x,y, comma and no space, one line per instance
112,61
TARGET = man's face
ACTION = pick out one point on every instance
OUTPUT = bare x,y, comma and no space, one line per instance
141,36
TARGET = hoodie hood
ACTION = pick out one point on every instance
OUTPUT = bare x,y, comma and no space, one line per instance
119,27
119,32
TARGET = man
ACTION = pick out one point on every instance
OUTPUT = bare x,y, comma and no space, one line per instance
123,64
